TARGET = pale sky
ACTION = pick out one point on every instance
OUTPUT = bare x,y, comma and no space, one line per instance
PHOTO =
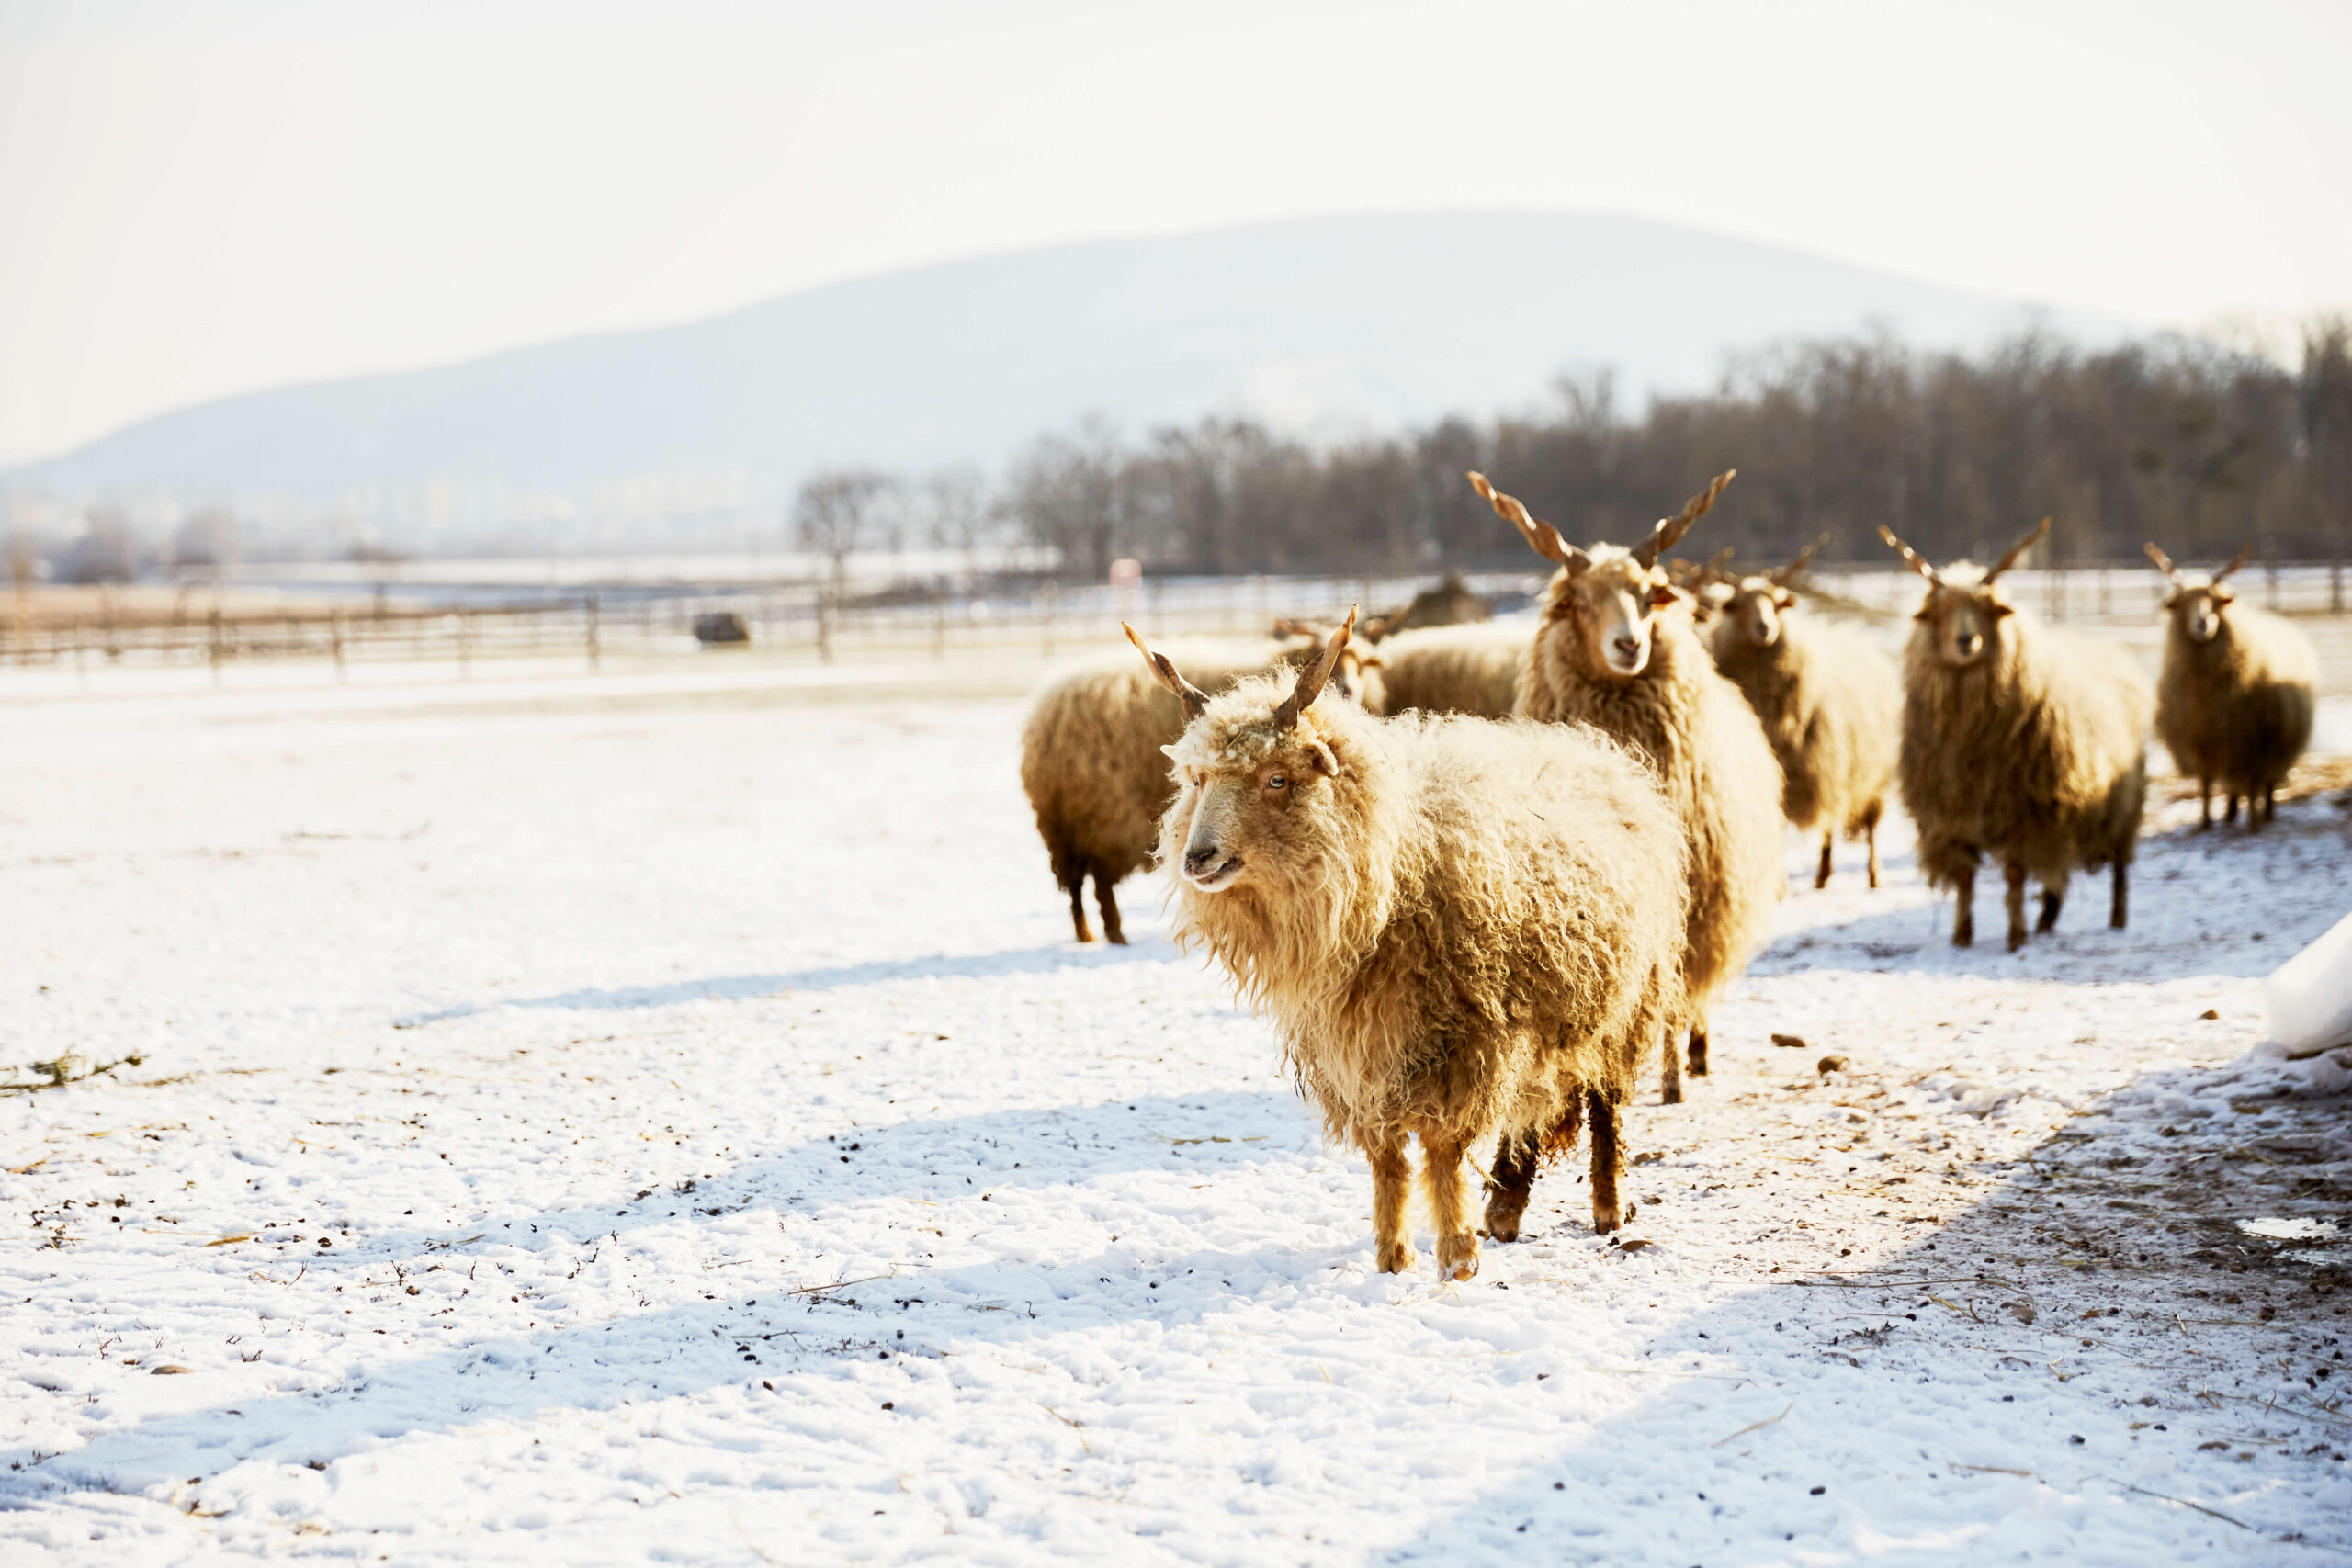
204,200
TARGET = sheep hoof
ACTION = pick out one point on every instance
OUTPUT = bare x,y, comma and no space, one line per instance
1604,1219
1395,1257
1502,1220
2017,939
1671,1094
1457,1255
1118,940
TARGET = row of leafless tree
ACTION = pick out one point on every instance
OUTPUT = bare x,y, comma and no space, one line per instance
2198,447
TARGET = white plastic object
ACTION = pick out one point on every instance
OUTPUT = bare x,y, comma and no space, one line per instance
2309,998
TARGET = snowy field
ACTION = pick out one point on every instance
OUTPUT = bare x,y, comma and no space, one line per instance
584,1122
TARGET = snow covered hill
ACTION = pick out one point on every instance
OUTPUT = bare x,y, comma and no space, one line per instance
1326,325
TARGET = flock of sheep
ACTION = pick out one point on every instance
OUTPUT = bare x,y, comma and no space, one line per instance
1477,877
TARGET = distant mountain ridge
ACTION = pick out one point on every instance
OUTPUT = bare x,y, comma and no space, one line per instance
1328,324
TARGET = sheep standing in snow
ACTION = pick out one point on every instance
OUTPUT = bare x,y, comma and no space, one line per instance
1460,928
2234,703
1471,669
2019,742
1615,649
1093,765
1829,702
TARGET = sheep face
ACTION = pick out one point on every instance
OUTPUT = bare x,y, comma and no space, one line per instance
1966,614
1754,608
2196,611
1254,804
1612,606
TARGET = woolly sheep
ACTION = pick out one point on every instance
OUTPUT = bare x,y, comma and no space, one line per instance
2234,702
1092,768
1460,928
1829,701
2019,742
1615,649
1470,670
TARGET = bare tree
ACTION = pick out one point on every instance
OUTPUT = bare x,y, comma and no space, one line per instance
836,511
1067,492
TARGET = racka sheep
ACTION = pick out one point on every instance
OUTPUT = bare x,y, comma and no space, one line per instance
2234,703
1615,649
1092,768
1829,702
1461,929
2019,742
1470,670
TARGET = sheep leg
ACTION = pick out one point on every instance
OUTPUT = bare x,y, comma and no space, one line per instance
1669,1070
2204,803
1964,920
1108,902
2253,817
2120,902
1870,831
1699,1049
1457,1244
1392,1185
1512,1185
2231,816
2053,901
1821,877
2014,876
1608,1163
1078,905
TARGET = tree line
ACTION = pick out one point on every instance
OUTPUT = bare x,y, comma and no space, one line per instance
2197,447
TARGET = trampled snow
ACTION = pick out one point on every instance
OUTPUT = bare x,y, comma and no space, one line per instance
621,1125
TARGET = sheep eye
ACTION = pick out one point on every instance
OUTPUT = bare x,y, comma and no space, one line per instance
1278,781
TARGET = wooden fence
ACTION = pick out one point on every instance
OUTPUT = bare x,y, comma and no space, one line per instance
1049,620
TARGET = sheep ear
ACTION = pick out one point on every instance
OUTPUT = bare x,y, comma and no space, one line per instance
1322,760
1541,536
1311,679
1169,750
1662,595
1996,606
1783,599
2223,595
1669,530
1192,696
2010,557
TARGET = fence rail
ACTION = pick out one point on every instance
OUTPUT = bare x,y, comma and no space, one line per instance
1050,620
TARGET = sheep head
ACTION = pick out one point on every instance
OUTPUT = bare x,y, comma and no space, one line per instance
1964,605
1254,771
2196,607
1755,604
1611,594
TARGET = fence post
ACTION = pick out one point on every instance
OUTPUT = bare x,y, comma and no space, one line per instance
335,636
595,632
1046,618
2336,583
220,644
2270,569
939,627
466,643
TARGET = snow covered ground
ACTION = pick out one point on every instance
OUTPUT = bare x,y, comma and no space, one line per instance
610,1122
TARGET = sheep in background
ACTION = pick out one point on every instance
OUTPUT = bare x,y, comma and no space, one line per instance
1471,669
1094,767
2019,742
1460,928
1615,649
2234,701
1829,701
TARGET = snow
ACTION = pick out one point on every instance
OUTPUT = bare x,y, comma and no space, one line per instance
665,1120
